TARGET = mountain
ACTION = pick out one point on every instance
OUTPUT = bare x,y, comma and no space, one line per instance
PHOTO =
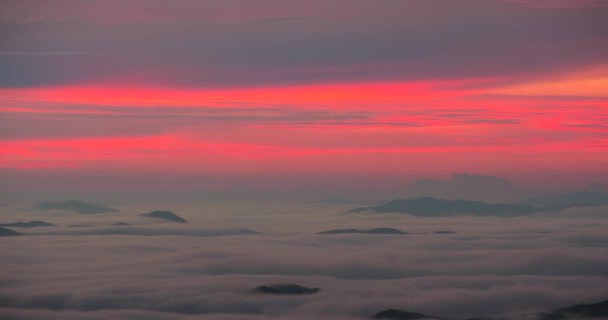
579,311
166,215
466,186
340,201
370,231
395,314
4,232
433,207
31,224
285,289
569,200
75,206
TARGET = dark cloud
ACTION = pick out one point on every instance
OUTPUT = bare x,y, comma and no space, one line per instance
60,120
465,39
68,120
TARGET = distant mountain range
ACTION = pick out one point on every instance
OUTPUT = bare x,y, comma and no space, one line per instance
4,232
285,289
31,224
370,231
466,186
75,206
434,207
401,315
569,200
580,311
165,215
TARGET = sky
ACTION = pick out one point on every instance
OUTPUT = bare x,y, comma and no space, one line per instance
289,95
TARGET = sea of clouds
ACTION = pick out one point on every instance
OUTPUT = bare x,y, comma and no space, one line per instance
152,269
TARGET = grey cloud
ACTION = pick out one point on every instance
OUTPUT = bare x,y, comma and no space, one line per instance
139,231
94,121
476,39
43,53
275,21
558,4
67,120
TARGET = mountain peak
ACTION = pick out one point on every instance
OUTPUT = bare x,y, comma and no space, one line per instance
165,215
75,206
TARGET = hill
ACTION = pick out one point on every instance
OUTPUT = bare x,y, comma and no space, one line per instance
579,311
285,289
31,224
165,215
75,206
4,232
370,231
433,207
569,200
395,314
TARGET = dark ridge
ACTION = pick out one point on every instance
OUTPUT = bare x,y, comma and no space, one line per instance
581,310
120,224
433,207
370,231
401,315
165,215
444,232
31,224
569,200
4,232
285,289
245,231
339,201
75,206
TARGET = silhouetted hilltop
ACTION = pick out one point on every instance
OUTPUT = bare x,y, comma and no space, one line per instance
466,186
4,232
285,289
31,224
433,207
579,311
166,215
370,231
569,200
401,315
120,224
75,206
340,201
444,232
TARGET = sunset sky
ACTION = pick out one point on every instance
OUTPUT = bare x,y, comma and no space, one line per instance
184,94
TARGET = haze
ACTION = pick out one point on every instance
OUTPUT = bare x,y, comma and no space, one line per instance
441,157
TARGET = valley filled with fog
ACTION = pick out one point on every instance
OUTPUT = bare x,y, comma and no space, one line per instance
128,266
